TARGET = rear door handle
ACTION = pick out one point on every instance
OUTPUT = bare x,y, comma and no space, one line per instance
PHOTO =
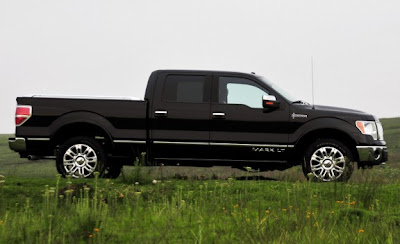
161,113
218,115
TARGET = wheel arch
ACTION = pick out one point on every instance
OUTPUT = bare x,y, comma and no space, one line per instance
81,124
328,133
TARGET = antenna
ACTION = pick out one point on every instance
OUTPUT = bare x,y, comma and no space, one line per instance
312,81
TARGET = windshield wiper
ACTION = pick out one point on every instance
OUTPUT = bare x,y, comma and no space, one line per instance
300,102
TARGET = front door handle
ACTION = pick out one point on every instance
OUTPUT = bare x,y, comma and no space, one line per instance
218,115
161,113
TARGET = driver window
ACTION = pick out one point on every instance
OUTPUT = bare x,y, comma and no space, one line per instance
234,90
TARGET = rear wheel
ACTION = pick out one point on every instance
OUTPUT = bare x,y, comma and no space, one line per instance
328,160
80,157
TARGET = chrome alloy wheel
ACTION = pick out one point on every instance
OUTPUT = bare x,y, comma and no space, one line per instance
80,161
327,163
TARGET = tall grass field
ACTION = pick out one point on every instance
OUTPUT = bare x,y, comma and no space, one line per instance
199,205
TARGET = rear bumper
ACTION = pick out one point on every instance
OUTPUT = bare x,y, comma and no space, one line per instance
17,144
372,154
31,146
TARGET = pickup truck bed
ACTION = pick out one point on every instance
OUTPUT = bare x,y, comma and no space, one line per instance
56,118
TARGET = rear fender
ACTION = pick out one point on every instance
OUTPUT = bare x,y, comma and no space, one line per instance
81,117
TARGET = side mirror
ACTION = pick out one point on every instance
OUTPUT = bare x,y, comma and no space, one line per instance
270,102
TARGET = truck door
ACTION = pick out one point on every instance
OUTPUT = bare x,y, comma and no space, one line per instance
180,116
241,130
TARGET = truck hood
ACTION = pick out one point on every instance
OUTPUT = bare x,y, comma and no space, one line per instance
339,110
329,111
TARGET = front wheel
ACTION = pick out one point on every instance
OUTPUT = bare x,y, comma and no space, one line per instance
328,160
80,157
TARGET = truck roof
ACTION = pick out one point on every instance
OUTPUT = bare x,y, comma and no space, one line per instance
155,74
203,72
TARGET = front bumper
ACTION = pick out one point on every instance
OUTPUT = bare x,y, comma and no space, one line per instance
17,144
372,154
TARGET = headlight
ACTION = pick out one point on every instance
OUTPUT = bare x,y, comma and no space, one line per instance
368,128
380,130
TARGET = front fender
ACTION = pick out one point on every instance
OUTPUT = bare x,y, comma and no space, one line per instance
327,124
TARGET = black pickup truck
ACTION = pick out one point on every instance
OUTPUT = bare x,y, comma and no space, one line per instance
198,118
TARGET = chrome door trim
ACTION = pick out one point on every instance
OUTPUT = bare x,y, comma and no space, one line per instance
372,147
222,160
182,143
160,113
223,144
37,139
129,141
218,114
248,145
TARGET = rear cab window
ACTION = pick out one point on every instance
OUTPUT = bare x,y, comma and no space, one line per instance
185,89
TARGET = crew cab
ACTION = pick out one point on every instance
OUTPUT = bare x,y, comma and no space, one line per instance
198,118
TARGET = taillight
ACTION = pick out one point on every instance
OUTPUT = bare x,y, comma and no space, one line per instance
22,114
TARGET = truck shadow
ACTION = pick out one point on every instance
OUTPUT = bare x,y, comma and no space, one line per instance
255,177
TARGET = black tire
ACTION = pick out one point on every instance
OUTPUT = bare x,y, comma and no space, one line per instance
113,170
328,160
80,157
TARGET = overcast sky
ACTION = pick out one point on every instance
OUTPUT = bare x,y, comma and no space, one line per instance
100,47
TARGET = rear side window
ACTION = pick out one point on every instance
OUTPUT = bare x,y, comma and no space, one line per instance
184,88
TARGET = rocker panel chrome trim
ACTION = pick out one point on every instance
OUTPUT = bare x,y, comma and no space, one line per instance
37,139
182,143
223,144
129,141
222,160
248,145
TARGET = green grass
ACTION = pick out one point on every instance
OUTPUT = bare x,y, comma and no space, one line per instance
392,138
36,206
172,211
12,165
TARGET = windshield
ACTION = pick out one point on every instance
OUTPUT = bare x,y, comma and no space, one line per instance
282,92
